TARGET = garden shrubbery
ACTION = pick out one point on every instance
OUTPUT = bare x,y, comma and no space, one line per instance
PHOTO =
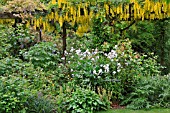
117,70
14,92
44,55
150,92
97,73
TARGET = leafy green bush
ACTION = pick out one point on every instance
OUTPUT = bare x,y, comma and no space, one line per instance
44,55
15,39
4,43
12,65
13,94
85,101
102,33
150,92
142,36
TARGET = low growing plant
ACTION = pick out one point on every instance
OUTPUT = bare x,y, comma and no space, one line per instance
85,101
40,104
150,92
13,94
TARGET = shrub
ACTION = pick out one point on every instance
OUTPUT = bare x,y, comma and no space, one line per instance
4,46
12,65
40,104
85,101
150,92
96,68
13,94
44,55
15,39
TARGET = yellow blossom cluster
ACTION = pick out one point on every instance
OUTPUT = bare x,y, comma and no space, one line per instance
7,21
81,13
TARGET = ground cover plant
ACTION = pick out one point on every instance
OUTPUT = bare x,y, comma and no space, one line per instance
57,65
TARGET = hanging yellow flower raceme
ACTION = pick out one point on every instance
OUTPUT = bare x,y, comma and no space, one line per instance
7,21
81,13
61,21
53,2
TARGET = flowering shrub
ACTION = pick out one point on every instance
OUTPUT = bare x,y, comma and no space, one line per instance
93,68
89,67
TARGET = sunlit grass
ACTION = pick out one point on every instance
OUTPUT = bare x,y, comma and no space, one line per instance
136,111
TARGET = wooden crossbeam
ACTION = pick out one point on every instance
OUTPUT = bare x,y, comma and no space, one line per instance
7,16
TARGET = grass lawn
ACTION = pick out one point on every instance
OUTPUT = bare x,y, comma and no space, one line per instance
136,111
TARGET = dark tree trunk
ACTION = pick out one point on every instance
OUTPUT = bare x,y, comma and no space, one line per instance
64,42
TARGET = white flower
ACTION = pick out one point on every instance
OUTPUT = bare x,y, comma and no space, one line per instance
71,70
65,52
111,54
72,75
106,67
114,72
118,64
116,46
94,72
92,59
62,58
100,71
96,51
78,52
97,57
72,49
126,63
122,53
118,70
105,54
87,52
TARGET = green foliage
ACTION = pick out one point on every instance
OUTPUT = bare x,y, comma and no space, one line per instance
13,94
4,42
12,65
44,55
40,104
94,68
64,93
15,39
3,2
101,34
45,1
104,60
85,101
162,47
150,92
152,36
142,36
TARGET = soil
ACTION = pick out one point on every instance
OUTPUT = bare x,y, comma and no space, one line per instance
116,105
